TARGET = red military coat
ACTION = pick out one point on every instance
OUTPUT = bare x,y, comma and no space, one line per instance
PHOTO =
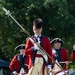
15,64
64,55
45,44
73,55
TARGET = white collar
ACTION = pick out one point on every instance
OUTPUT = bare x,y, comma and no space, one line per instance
22,54
37,36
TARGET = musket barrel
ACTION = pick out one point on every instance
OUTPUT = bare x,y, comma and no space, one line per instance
41,49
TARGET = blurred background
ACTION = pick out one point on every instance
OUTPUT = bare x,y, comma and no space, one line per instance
58,17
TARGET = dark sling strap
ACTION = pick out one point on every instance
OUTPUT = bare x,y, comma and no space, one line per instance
22,60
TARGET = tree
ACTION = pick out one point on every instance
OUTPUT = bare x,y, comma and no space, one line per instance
58,17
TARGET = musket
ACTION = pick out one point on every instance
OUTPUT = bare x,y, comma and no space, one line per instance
65,62
25,31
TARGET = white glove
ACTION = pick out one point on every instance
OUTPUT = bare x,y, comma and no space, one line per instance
25,74
35,47
49,68
14,72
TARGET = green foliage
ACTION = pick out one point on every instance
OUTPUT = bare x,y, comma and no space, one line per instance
58,17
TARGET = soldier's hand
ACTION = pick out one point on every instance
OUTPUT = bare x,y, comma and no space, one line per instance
35,47
67,62
49,68
15,73
74,47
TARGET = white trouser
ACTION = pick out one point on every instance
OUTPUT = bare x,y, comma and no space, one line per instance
38,67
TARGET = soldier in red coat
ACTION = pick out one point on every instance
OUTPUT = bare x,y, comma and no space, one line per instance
38,63
19,64
58,53
73,53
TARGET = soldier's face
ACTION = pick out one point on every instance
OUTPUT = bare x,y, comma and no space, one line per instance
22,51
37,31
57,45
74,47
